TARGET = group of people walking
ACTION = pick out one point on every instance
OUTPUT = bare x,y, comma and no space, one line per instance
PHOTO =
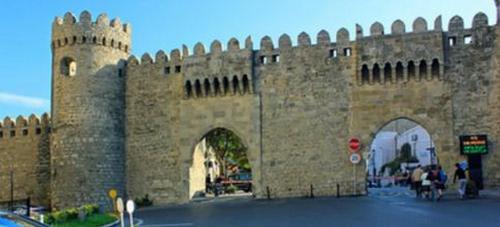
430,182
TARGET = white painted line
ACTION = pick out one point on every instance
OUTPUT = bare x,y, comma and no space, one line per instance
168,225
139,222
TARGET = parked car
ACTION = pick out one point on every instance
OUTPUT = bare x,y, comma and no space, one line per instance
8,219
242,180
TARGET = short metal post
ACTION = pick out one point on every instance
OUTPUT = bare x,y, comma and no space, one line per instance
338,190
28,206
11,205
268,192
312,191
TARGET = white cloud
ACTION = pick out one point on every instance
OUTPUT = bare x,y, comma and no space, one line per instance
20,100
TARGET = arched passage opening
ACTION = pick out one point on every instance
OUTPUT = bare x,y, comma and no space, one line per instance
397,149
220,166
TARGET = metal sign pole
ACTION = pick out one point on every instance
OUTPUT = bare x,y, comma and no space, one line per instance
354,183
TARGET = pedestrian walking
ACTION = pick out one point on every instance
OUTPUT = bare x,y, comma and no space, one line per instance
416,180
208,184
438,178
462,180
443,177
426,183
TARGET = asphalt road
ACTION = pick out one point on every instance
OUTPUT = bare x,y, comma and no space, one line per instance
393,207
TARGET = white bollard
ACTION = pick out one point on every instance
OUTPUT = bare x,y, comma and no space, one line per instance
119,207
130,210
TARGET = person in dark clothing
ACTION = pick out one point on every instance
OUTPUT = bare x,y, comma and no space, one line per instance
462,180
437,183
218,186
208,184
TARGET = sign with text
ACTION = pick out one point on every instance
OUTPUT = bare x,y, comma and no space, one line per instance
473,144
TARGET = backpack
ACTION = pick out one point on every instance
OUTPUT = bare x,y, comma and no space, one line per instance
443,177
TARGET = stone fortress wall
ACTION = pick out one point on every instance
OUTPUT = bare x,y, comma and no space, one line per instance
120,122
24,151
303,102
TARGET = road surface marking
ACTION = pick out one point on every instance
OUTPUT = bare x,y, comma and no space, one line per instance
168,225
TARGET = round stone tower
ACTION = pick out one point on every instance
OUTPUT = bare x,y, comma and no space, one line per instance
88,105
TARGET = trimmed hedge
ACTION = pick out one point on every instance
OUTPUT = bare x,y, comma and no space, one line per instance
70,214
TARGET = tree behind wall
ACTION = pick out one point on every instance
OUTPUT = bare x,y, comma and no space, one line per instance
228,148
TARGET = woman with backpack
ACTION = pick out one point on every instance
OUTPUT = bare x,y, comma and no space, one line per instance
439,179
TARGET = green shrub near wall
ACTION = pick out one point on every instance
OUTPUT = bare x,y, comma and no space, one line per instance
71,214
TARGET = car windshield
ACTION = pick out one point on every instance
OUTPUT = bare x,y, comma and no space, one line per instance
245,176
9,220
241,176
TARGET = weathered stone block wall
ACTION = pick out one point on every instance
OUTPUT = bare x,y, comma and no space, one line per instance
24,148
471,74
197,171
165,121
299,105
294,107
152,125
88,106
305,116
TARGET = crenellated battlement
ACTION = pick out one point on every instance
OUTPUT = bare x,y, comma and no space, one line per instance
268,51
67,31
176,57
22,126
424,61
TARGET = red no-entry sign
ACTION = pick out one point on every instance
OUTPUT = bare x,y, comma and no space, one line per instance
354,144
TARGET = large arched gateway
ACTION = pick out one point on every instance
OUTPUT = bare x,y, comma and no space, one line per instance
396,150
220,165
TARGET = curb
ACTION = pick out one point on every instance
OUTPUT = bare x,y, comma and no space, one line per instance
112,223
117,223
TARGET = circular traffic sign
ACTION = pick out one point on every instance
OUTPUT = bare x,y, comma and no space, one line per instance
119,205
354,144
112,193
130,206
355,158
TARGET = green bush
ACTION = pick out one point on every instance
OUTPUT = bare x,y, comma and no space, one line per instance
231,189
90,209
70,214
143,202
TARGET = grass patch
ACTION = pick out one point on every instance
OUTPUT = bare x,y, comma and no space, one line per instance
92,221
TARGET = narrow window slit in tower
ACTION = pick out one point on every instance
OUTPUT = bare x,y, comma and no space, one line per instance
347,52
263,59
452,41
166,70
276,58
12,133
25,132
177,69
467,39
333,53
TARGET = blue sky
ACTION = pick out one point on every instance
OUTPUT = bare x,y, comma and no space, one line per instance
25,60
